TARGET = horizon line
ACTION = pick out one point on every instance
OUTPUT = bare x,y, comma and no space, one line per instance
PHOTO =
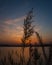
25,45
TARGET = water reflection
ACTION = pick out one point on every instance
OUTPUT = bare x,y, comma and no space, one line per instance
17,51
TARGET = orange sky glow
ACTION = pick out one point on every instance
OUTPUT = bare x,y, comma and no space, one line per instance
13,31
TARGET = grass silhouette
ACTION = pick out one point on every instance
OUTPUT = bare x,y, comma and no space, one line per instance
34,56
9,60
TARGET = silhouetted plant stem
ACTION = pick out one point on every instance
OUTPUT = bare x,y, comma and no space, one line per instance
23,56
40,41
50,56
30,54
40,61
28,29
36,56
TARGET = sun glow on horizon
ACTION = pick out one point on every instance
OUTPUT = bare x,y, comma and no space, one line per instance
12,31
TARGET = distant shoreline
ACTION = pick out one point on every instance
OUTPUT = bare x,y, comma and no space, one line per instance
26,45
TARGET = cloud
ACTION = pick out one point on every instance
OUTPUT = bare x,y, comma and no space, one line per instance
8,32
10,27
13,21
12,35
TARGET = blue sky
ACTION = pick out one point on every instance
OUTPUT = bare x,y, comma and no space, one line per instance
12,14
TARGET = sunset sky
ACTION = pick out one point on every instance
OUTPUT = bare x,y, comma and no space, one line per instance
12,14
